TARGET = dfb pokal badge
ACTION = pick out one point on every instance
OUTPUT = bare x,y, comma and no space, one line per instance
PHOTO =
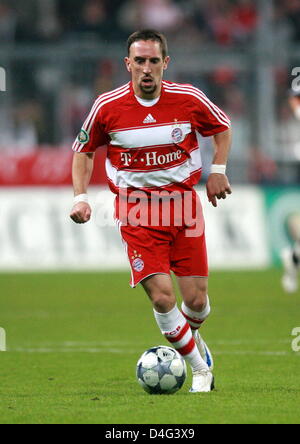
177,135
83,137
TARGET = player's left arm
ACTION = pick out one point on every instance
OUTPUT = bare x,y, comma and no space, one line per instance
218,186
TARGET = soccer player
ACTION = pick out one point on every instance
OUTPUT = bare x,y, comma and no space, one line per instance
291,256
150,127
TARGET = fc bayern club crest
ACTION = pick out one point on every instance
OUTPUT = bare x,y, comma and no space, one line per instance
177,135
138,264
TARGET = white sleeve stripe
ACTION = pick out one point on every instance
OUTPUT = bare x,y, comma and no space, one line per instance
213,109
78,147
200,93
90,116
218,110
102,103
97,102
207,102
218,117
101,99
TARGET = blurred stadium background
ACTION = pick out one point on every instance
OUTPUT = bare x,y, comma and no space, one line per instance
59,55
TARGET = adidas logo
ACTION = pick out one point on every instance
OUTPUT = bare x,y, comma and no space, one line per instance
149,119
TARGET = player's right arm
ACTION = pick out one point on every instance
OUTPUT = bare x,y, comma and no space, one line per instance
91,137
83,164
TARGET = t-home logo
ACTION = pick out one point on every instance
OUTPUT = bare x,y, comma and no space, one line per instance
2,80
2,340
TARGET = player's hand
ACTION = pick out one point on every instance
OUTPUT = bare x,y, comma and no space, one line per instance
217,187
81,213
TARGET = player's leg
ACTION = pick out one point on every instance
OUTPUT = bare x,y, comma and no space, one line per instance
296,254
196,309
194,291
159,288
171,321
291,255
149,256
291,263
190,265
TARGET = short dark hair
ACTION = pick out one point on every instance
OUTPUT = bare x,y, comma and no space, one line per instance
149,34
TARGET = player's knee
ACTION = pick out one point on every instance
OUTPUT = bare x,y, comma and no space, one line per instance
199,305
160,291
163,300
198,301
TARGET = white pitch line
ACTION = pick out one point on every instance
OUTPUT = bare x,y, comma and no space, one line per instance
88,344
72,350
119,344
138,351
117,347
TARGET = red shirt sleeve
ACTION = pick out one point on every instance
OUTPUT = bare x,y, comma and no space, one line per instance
208,119
92,135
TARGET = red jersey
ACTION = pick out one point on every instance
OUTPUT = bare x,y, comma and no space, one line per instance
151,147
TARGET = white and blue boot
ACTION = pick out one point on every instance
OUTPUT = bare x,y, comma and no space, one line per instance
291,271
203,381
204,350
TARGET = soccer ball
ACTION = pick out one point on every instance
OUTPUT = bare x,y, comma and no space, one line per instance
161,370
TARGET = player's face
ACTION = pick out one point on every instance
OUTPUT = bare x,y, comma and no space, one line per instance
146,65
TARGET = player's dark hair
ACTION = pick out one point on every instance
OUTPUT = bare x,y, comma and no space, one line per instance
149,34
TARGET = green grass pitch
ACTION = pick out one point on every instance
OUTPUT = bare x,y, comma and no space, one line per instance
74,340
